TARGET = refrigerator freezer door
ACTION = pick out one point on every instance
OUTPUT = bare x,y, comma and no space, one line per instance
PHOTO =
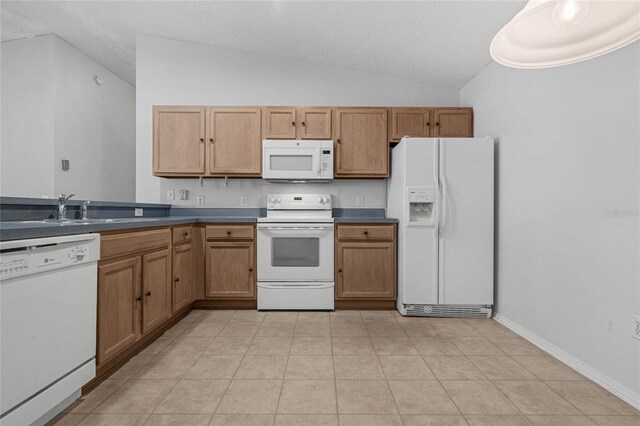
466,223
419,245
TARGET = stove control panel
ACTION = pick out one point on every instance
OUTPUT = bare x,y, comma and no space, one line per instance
299,202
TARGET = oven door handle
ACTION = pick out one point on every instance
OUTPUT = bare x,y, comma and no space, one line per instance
295,286
293,228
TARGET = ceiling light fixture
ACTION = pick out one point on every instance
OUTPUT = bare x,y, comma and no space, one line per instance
550,33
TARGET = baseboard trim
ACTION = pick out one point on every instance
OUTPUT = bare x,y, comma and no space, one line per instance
619,390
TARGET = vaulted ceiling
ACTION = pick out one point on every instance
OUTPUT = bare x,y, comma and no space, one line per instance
442,42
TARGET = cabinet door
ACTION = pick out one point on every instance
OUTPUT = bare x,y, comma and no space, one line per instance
409,122
361,149
453,123
178,141
366,270
230,270
119,300
314,123
182,283
234,145
280,123
156,289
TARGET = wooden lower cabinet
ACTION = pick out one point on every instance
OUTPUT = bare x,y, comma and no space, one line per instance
156,287
366,262
230,269
119,306
182,281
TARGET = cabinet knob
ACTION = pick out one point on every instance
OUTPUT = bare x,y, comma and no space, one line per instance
185,234
366,232
339,141
339,269
148,293
139,299
304,124
177,280
250,269
428,123
201,140
293,124
228,232
437,123
210,140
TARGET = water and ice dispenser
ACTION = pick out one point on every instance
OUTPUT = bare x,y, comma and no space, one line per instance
422,204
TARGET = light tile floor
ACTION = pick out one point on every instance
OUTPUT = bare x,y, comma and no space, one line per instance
348,368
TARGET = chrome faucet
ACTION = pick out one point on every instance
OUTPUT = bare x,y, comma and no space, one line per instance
84,208
62,205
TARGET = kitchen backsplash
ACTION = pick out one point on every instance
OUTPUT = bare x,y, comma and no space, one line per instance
345,193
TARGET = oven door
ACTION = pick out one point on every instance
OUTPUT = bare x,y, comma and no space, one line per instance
295,252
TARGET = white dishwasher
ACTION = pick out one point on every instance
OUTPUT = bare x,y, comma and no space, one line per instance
48,294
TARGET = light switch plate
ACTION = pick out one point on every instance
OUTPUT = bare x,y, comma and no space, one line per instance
244,200
199,200
184,194
138,212
171,194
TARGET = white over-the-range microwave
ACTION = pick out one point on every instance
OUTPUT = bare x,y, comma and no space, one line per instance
297,160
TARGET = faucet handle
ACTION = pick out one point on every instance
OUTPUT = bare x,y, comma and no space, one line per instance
65,197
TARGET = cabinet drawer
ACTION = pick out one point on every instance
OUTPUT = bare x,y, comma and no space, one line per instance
230,232
182,234
366,232
131,242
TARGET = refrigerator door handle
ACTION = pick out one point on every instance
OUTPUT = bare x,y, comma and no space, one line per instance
445,202
436,227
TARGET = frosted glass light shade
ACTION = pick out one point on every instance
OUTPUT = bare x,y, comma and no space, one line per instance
549,33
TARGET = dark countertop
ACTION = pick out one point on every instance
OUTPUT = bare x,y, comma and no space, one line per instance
16,230
357,219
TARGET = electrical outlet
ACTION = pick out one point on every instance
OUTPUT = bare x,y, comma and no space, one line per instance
184,194
199,200
138,212
360,201
171,194
636,327
244,200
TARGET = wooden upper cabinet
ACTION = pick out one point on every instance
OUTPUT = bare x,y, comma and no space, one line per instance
453,123
409,122
182,282
119,303
156,289
361,146
280,123
314,123
178,140
230,270
234,141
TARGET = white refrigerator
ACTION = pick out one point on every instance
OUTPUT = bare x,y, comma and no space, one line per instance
442,192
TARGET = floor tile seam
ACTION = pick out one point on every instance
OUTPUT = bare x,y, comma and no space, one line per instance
386,380
243,356
546,385
286,365
333,363
536,378
575,406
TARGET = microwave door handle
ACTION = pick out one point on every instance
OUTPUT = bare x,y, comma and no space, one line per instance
319,161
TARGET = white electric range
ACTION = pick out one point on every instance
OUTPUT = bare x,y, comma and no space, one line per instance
295,253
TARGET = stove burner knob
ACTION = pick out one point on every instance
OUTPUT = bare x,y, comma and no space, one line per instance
321,200
278,200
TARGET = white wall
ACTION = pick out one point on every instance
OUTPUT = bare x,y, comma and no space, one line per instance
52,110
568,269
173,72
26,146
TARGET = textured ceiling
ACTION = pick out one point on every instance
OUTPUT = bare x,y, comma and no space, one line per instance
443,42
